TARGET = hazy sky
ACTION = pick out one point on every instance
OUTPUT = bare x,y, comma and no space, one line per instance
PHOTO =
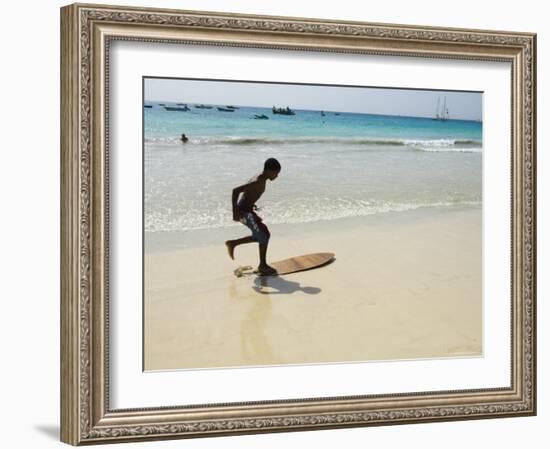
373,100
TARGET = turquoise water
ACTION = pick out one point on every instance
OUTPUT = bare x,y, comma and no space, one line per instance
333,166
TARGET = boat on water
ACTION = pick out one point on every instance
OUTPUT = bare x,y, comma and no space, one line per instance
261,117
148,106
162,104
336,113
232,107
283,111
202,106
322,113
181,104
177,109
441,115
225,109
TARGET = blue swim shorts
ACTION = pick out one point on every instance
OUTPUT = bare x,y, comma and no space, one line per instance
256,225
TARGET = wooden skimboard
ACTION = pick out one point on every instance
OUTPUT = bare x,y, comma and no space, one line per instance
292,265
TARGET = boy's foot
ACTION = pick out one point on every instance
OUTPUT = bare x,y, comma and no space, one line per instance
230,248
266,269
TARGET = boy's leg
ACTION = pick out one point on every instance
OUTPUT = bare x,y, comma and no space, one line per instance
263,240
231,244
260,234
248,239
263,252
264,268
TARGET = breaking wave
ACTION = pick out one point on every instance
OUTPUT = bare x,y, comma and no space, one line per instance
468,145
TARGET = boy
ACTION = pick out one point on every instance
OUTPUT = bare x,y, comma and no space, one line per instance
243,211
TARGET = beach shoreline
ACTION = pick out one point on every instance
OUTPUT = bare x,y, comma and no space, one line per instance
404,285
165,241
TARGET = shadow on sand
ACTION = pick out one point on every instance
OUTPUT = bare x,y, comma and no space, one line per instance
276,285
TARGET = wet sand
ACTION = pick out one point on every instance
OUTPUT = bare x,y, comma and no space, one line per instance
404,285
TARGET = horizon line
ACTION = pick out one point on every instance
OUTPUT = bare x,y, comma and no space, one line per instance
318,110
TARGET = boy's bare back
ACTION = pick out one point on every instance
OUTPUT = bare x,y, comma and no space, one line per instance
251,192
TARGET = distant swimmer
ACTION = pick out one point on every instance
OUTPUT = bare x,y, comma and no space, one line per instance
184,138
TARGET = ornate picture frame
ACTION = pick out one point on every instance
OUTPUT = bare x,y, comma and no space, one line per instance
87,32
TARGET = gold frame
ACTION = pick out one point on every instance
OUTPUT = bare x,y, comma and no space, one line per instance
86,31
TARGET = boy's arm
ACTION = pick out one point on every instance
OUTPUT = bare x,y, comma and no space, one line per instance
235,196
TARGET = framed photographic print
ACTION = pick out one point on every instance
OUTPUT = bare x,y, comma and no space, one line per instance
280,224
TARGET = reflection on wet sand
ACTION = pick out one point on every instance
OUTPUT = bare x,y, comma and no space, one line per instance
255,345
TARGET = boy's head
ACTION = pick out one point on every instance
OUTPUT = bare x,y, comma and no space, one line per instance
272,168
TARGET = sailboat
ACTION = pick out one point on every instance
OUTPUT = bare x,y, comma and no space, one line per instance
442,115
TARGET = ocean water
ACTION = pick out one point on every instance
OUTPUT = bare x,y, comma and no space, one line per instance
333,166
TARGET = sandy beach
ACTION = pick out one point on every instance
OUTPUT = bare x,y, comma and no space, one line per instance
403,286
